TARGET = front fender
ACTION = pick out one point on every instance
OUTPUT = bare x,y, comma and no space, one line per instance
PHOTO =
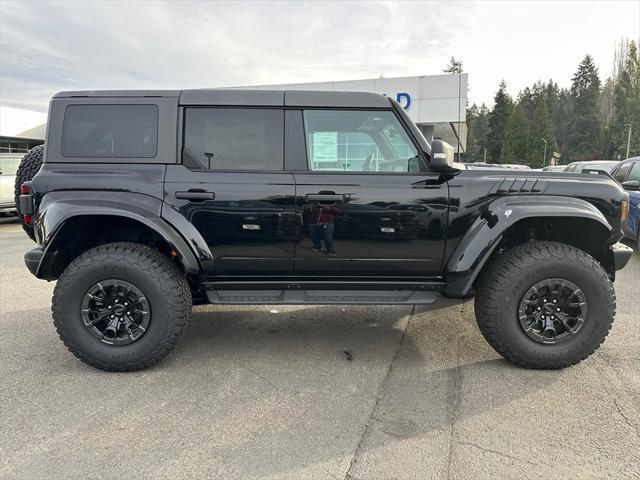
485,234
57,208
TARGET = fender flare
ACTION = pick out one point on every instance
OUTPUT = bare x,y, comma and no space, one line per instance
57,208
475,248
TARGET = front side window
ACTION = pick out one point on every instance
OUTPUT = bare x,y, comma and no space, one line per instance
635,172
622,172
358,141
233,139
110,131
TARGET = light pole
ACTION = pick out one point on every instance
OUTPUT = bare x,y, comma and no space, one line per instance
544,155
485,154
628,138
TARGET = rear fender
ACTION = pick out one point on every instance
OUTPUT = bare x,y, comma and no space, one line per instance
59,208
485,234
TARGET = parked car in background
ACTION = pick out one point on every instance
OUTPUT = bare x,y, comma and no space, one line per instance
554,168
479,165
8,166
516,166
627,173
577,167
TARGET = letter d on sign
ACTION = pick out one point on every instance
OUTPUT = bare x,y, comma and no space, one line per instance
404,99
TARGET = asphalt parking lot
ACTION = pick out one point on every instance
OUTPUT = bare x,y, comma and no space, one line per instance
313,393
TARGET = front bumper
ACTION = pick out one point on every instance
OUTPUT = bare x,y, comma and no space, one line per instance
620,254
33,258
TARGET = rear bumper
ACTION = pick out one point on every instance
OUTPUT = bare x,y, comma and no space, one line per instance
33,258
620,254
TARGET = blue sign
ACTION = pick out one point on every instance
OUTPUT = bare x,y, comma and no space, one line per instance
404,99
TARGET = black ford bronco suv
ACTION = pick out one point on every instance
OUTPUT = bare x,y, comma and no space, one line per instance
146,202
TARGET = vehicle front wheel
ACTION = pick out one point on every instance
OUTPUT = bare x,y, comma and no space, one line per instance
121,306
544,305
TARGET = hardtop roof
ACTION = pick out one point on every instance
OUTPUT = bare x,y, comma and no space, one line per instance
232,97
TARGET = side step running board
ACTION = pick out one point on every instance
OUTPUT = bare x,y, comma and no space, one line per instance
321,297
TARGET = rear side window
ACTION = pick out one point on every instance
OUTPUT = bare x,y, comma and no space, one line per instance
110,131
233,139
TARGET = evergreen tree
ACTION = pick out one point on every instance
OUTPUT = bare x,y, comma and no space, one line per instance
607,115
454,66
527,99
561,119
498,119
583,136
626,104
518,139
541,128
477,132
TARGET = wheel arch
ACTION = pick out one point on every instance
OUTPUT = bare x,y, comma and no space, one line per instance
511,221
68,225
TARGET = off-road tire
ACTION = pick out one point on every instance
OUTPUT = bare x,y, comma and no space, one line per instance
162,282
29,166
506,279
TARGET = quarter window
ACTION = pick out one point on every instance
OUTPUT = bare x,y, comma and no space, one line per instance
233,139
110,131
358,141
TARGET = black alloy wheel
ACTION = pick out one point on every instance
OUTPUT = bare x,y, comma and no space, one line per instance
552,311
116,312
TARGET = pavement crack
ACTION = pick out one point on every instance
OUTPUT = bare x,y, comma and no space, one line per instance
624,416
396,353
605,382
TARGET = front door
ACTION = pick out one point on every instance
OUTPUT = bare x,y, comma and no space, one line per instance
368,207
231,186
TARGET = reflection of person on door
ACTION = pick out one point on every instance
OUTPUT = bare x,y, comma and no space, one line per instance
321,226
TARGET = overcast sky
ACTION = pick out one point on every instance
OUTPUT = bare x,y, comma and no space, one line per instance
50,46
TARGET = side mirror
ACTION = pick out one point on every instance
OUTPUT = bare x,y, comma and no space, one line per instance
442,156
631,185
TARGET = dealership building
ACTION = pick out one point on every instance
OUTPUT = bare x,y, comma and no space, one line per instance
436,103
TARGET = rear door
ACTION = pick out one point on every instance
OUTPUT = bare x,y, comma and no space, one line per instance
368,205
231,186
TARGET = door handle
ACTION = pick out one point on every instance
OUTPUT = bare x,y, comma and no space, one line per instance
325,197
196,195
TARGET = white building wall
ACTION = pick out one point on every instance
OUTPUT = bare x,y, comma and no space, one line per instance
434,98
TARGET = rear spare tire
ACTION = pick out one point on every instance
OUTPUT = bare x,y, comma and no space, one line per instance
544,305
121,306
29,166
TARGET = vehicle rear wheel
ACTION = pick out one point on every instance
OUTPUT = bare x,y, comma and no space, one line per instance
29,166
544,305
121,306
